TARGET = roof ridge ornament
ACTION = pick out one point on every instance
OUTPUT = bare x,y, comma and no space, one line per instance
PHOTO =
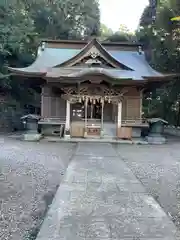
94,53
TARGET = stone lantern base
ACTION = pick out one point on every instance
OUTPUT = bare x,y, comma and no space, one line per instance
32,137
156,139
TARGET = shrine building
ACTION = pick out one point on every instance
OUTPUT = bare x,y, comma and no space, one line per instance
92,89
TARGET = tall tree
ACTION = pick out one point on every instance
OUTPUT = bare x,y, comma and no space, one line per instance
65,18
105,32
162,40
122,35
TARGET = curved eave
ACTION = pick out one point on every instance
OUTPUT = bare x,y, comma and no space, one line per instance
107,78
25,72
84,75
162,77
95,71
110,80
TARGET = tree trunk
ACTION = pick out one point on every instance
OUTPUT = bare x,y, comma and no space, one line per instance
178,115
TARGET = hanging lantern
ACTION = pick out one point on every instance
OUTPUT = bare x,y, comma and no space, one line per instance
80,100
94,101
109,100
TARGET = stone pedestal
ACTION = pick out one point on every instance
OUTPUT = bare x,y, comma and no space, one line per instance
67,134
156,139
102,133
32,137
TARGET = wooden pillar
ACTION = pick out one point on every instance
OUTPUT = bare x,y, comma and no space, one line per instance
92,107
119,120
85,120
114,112
102,118
67,125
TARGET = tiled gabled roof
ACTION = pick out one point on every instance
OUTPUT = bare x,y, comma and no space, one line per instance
52,57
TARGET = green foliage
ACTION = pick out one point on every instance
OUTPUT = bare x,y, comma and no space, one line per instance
162,42
105,32
64,19
122,35
10,114
16,28
24,22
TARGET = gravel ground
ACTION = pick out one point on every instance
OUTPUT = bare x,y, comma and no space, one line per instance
158,169
29,176
31,172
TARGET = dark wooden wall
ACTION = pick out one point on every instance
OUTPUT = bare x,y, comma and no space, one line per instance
53,106
131,105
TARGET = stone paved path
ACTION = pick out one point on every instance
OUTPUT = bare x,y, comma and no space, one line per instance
100,198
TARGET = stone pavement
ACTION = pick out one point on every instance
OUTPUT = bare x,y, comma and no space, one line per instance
100,198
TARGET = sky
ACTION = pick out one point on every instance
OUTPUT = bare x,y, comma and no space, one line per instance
126,12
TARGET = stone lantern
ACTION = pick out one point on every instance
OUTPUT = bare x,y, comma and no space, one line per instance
30,122
156,130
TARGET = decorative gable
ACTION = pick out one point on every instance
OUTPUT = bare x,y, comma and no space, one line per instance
92,55
93,58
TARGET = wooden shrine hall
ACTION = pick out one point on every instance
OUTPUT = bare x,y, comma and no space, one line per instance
91,89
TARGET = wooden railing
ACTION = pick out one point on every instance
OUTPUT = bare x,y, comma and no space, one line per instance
136,120
52,121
